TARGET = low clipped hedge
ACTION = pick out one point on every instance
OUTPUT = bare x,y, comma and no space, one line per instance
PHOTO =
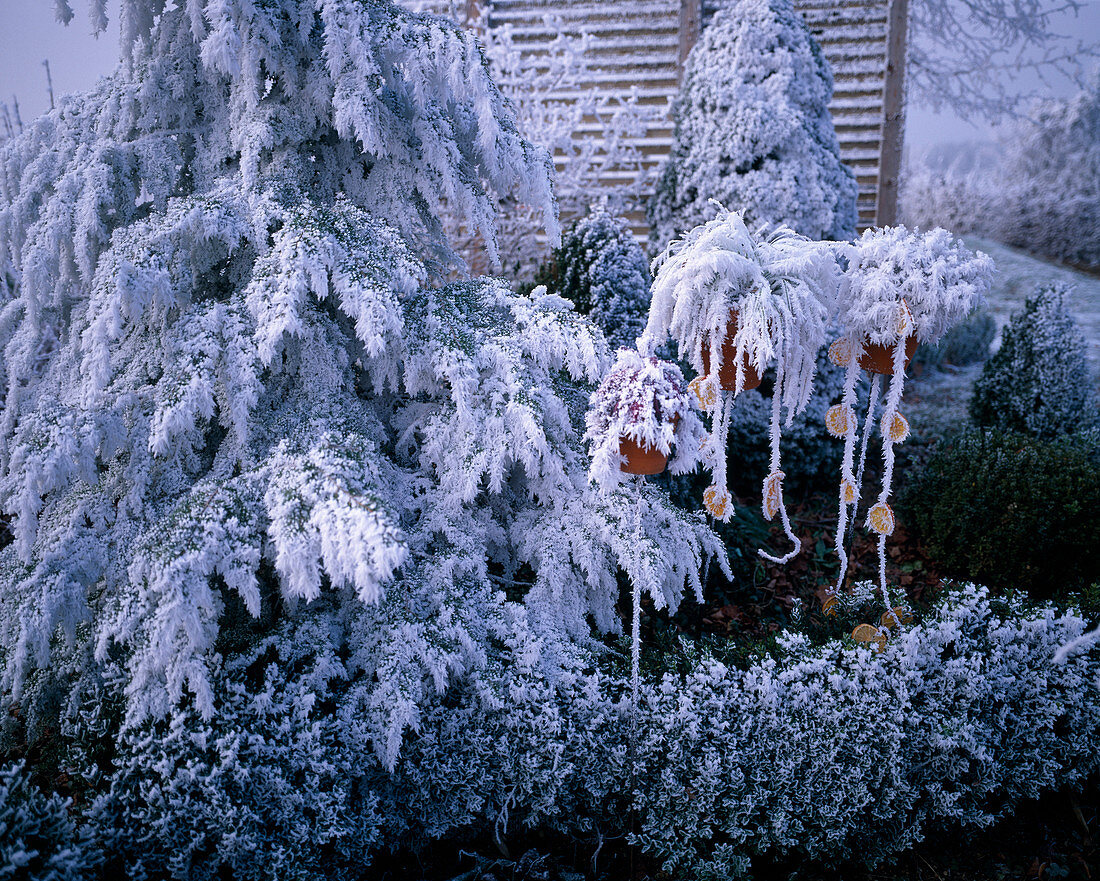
833,754
1012,511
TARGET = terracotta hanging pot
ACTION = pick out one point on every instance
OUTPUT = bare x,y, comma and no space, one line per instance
639,459
727,374
880,359
642,458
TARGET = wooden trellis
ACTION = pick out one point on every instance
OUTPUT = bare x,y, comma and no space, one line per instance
642,45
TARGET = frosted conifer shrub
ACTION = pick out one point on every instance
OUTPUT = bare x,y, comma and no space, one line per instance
1038,382
753,130
603,270
235,379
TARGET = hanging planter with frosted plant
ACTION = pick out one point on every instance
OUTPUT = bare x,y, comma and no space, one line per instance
638,416
900,289
639,413
736,302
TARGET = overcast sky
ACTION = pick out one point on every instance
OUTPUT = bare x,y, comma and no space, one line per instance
29,33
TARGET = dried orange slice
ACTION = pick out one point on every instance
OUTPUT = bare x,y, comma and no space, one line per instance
881,519
870,634
839,419
705,392
840,352
895,428
848,492
828,606
897,615
773,494
718,501
905,320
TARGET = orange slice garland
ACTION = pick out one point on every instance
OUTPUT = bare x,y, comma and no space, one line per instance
840,352
870,634
895,428
839,419
718,501
881,519
773,494
703,387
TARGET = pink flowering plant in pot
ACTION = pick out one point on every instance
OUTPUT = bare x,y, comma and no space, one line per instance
639,417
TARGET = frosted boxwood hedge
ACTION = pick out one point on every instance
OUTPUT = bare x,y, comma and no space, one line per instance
830,753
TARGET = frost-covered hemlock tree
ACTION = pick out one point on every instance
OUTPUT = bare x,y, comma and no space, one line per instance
753,130
237,392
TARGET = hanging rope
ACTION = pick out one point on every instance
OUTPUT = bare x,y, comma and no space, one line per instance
773,484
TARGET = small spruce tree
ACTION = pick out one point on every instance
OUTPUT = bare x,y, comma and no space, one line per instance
1038,382
753,130
604,272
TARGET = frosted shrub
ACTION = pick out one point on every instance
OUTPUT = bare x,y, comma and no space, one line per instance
966,343
39,840
834,753
235,375
1017,512
1038,382
753,130
605,273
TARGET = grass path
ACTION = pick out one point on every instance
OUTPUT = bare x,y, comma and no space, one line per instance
1019,273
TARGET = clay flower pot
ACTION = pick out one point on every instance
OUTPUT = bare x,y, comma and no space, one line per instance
880,359
638,459
727,374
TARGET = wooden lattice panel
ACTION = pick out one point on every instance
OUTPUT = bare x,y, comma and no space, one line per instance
641,44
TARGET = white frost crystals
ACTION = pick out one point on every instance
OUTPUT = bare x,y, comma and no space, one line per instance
237,387
644,400
782,287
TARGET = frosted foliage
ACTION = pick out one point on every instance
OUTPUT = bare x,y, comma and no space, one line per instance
900,283
1038,382
603,270
1042,195
646,401
234,383
39,840
782,285
832,753
753,130
592,132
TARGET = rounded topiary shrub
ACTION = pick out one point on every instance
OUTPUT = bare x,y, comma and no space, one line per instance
1038,382
604,272
753,130
1012,511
